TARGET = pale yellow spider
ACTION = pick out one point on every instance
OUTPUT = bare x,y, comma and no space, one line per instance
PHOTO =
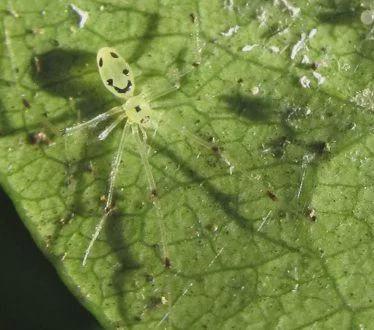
136,113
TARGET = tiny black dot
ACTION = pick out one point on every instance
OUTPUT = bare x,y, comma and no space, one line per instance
125,72
100,62
114,55
137,108
110,82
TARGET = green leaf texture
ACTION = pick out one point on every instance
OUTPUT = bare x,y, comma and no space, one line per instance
281,241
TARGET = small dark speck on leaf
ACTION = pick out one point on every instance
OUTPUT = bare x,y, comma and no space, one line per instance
167,263
39,138
311,214
216,150
154,302
149,278
54,42
26,103
321,147
282,214
154,194
271,195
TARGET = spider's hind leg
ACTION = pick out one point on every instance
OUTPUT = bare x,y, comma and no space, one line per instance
141,141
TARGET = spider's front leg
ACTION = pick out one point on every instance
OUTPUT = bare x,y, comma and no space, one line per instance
94,121
109,198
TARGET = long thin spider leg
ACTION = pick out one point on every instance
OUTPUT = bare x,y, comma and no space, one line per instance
152,96
208,145
141,141
142,149
112,180
104,134
94,121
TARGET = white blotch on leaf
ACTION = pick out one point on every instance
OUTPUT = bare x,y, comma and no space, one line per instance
320,79
261,17
305,82
302,43
83,15
367,17
229,4
294,11
231,31
248,48
312,33
255,90
364,98
305,60
274,49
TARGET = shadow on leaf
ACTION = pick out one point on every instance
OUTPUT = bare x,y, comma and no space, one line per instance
71,74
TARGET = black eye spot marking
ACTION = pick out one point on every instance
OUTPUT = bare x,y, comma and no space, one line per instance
144,120
100,62
126,72
138,108
114,55
123,90
110,82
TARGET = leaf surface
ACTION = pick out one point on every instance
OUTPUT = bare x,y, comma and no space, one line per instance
282,240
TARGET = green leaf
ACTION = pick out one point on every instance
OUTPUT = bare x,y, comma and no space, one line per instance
283,241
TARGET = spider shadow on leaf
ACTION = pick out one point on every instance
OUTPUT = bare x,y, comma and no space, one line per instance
253,108
67,74
152,24
71,74
286,146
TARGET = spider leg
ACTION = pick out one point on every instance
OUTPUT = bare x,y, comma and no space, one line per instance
141,138
152,96
104,134
94,121
112,180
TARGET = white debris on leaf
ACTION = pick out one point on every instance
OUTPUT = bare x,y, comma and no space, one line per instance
274,49
298,46
305,60
320,79
248,48
261,17
294,11
305,82
364,99
83,15
229,5
302,43
255,90
312,33
367,17
231,31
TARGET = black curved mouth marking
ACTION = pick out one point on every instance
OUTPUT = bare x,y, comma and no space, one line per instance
120,90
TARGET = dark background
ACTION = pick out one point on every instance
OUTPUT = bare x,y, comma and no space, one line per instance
31,294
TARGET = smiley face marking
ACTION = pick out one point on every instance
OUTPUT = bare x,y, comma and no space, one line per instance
115,73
